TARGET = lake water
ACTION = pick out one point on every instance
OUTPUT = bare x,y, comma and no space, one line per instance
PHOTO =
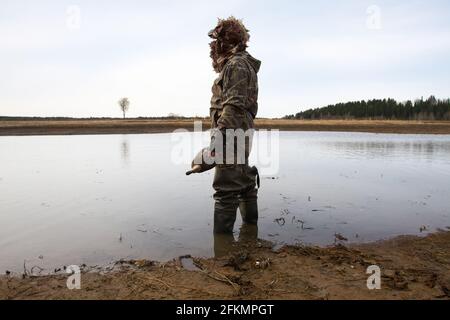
96,199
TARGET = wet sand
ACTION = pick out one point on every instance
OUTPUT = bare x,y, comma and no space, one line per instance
135,126
411,268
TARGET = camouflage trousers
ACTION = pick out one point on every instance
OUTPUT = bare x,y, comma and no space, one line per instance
235,186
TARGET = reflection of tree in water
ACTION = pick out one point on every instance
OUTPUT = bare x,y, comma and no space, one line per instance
125,151
375,149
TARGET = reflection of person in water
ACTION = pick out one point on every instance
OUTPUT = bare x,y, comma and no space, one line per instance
224,243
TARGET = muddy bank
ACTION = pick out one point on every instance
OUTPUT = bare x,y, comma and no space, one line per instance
411,268
136,126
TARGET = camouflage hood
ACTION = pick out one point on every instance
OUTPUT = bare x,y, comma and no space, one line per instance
255,63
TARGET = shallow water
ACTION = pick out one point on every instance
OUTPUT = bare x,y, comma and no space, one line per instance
95,199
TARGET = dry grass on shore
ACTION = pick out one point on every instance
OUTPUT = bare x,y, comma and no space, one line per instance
120,126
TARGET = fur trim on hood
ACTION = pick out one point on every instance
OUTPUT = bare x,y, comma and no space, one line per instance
230,37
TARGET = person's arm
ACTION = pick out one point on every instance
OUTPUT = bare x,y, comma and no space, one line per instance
234,93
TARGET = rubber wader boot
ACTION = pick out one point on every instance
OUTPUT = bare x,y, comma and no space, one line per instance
249,210
225,216
248,201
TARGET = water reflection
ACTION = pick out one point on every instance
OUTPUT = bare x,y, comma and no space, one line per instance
363,186
125,151
381,149
225,244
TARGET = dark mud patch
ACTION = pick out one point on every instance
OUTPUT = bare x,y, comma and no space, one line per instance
411,268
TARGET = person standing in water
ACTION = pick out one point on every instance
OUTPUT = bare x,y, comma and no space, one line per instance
234,106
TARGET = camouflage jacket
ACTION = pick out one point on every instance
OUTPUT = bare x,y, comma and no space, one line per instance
234,103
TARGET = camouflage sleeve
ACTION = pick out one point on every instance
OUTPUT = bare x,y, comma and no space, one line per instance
235,86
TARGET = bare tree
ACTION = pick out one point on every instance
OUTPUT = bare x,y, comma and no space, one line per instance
124,104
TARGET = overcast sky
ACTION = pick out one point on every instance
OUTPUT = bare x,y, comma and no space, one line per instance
77,58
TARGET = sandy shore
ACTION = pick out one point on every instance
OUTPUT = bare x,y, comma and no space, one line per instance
411,268
135,126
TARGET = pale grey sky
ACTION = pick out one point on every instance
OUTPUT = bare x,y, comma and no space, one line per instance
77,58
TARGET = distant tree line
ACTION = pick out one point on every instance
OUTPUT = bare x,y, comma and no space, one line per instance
168,117
420,109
